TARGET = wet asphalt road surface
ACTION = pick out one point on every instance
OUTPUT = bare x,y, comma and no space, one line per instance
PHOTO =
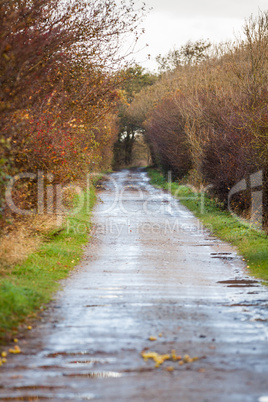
150,270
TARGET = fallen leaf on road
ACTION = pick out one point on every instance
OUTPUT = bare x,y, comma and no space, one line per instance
169,368
15,350
174,355
160,359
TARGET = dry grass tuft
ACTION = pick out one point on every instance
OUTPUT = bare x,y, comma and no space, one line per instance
26,234
23,238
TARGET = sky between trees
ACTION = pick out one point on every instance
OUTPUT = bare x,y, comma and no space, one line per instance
171,23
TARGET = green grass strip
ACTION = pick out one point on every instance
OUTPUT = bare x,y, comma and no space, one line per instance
33,283
250,243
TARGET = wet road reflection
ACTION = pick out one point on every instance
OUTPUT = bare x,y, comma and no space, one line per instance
151,271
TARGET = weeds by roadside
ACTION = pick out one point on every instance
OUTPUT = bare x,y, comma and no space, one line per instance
22,239
33,258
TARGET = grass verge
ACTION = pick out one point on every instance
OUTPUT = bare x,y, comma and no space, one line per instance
250,243
29,285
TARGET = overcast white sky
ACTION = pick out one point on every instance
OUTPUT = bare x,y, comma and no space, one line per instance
172,23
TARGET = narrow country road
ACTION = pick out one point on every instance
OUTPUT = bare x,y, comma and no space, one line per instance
150,270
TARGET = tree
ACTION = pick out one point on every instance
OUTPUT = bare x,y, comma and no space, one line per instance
166,133
58,83
134,80
189,54
207,112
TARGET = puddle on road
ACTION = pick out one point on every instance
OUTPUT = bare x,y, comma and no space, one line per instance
48,396
220,254
199,245
109,288
91,361
223,256
36,388
49,367
241,305
96,374
256,303
26,398
67,354
86,361
139,370
97,305
260,320
240,283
